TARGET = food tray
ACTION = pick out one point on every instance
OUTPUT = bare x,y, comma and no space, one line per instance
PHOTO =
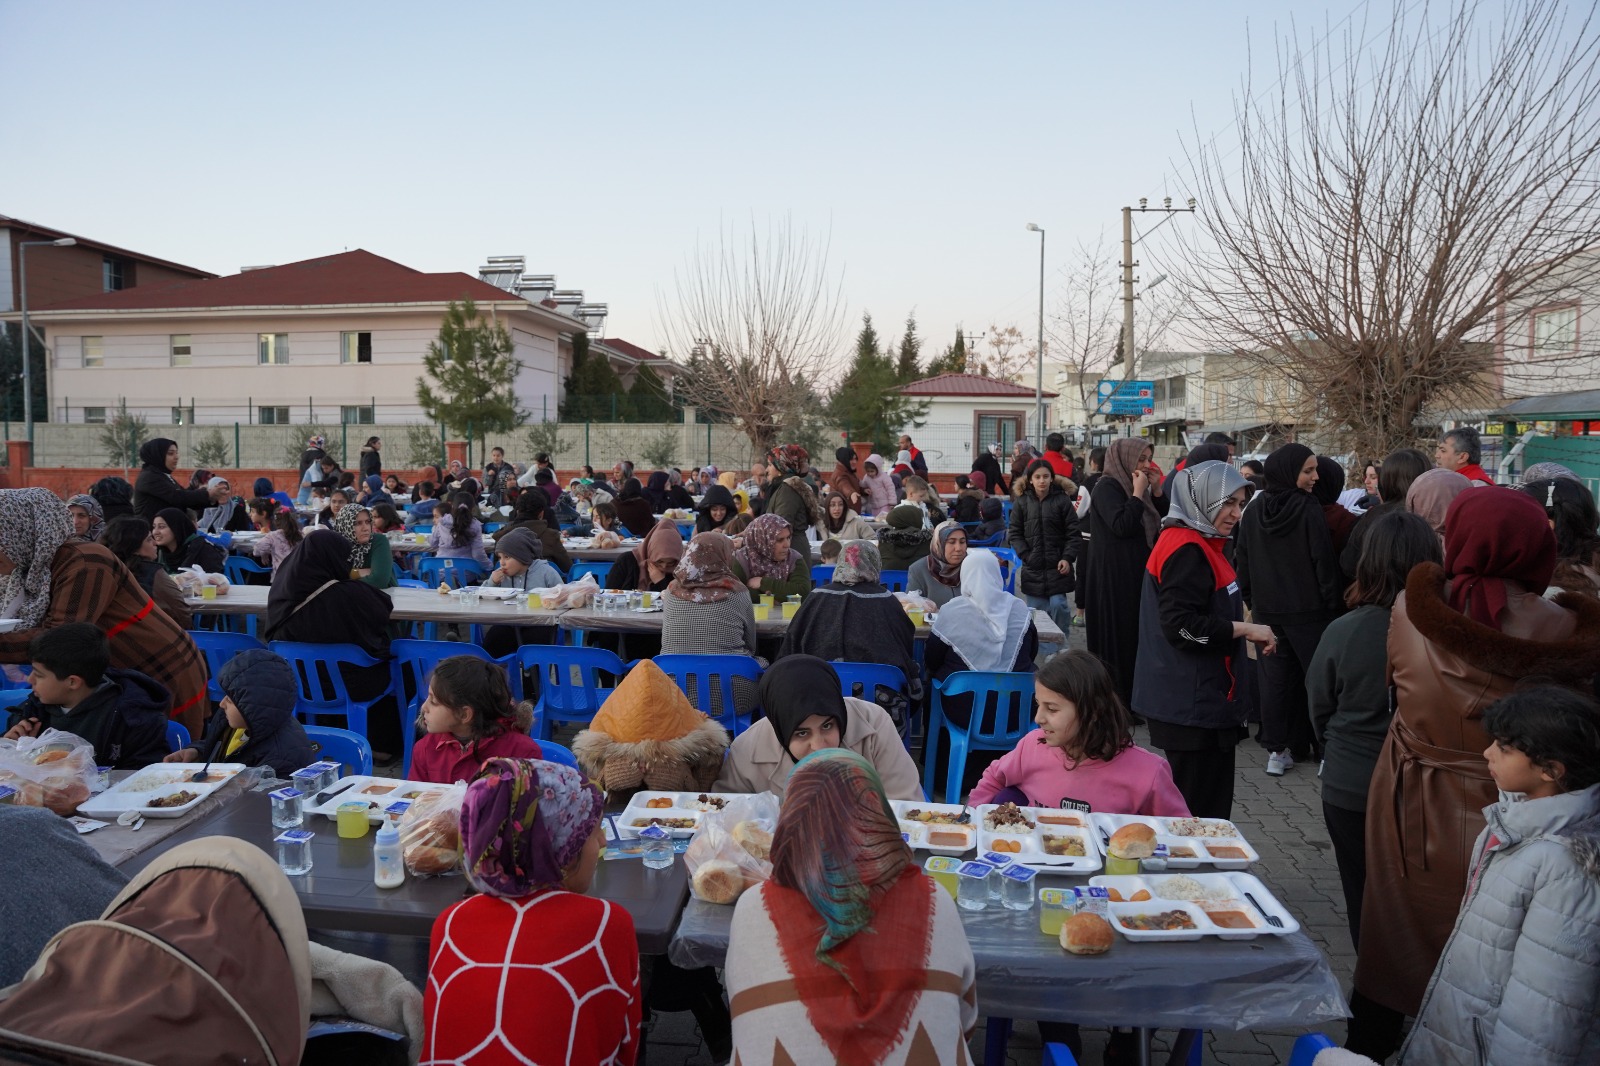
686,808
918,831
1202,848
492,592
1225,896
393,789
1048,822
8,624
158,782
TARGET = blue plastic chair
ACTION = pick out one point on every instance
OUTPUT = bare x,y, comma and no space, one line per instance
554,752
894,580
1306,1047
410,583
411,664
12,696
600,569
239,569
350,749
1002,712
421,527
821,575
284,499
223,540
1010,563
322,687
869,676
1058,1055
703,677
493,527
177,737
217,649
432,569
573,682
996,541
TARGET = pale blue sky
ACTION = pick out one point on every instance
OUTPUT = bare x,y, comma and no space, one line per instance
601,140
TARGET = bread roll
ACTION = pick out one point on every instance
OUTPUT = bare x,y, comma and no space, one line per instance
1135,840
718,881
753,838
425,859
1086,934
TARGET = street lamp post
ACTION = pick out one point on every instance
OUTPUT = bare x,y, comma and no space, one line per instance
1038,381
22,288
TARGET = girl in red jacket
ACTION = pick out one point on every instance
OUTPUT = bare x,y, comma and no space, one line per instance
470,719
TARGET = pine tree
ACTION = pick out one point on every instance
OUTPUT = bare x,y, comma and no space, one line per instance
954,359
594,391
907,369
648,399
868,403
473,375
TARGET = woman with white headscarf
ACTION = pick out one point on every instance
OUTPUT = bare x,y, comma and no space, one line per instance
1193,670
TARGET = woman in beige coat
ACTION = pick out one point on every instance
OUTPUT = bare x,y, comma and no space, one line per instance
806,710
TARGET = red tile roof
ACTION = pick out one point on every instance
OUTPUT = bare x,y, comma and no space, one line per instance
357,277
631,350
51,233
967,385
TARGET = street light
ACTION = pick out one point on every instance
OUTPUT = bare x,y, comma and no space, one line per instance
1038,382
27,363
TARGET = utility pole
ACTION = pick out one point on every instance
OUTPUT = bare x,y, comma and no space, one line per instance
1128,263
1038,384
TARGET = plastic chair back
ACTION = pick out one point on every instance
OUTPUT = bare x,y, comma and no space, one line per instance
554,752
868,676
573,682
223,540
422,527
11,697
432,569
1306,1048
217,649
1002,713
493,527
177,736
349,749
284,499
599,568
708,681
821,575
239,568
894,580
1010,563
410,583
322,687
1058,1055
412,662
989,542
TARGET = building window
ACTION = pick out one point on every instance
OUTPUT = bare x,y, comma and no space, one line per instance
94,352
1556,330
356,416
181,351
113,274
183,416
273,416
355,347
95,415
274,348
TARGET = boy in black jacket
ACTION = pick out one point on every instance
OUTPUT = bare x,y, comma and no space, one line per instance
122,713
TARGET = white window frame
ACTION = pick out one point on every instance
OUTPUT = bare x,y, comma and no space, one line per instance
272,349
346,410
1555,329
350,347
181,354
94,351
183,416
276,409
94,416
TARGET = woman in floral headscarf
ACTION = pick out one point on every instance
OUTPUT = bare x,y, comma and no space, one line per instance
767,563
705,611
904,992
88,520
937,575
531,838
789,497
372,560
48,578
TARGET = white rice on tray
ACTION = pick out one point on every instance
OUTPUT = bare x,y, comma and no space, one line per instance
1199,827
1186,888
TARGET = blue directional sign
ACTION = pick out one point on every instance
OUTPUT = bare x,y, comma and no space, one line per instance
1126,397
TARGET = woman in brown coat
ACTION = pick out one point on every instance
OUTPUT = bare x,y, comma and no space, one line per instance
1459,638
54,580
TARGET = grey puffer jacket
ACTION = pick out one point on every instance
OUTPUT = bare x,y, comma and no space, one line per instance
1520,976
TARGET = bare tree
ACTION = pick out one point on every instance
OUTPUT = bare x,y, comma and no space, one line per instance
766,317
1007,353
1400,208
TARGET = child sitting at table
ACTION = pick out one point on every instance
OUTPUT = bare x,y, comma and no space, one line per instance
1082,756
422,508
122,713
469,718
1519,976
829,552
255,725
522,563
532,969
604,516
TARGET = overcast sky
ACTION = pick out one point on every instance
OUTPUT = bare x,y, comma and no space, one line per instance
601,141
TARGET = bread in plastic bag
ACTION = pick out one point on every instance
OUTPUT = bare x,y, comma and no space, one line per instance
54,769
430,832
191,579
579,593
730,850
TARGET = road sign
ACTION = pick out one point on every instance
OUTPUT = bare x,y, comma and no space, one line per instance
1126,397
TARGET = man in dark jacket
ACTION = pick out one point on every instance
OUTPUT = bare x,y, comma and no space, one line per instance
255,724
122,713
919,464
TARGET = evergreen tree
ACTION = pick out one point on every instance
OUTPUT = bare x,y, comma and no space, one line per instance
594,391
472,375
868,403
907,369
648,399
954,359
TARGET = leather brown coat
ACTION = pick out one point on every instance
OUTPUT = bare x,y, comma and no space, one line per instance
1425,804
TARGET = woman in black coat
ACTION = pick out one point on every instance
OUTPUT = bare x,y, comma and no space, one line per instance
989,466
154,489
716,507
180,545
1044,534
634,510
1123,525
1289,575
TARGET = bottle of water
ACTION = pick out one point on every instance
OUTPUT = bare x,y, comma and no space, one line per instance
657,847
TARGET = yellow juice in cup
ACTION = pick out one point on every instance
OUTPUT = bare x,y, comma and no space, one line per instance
208,592
352,820
1055,907
768,600
943,870
790,610
1121,867
915,616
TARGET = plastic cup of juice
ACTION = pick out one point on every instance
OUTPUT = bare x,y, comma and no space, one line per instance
1056,905
915,616
352,820
1121,867
208,592
943,870
790,609
768,600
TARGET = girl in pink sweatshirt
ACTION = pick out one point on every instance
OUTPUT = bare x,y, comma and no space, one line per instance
1082,756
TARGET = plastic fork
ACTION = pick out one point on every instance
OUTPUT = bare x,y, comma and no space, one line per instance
1272,919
